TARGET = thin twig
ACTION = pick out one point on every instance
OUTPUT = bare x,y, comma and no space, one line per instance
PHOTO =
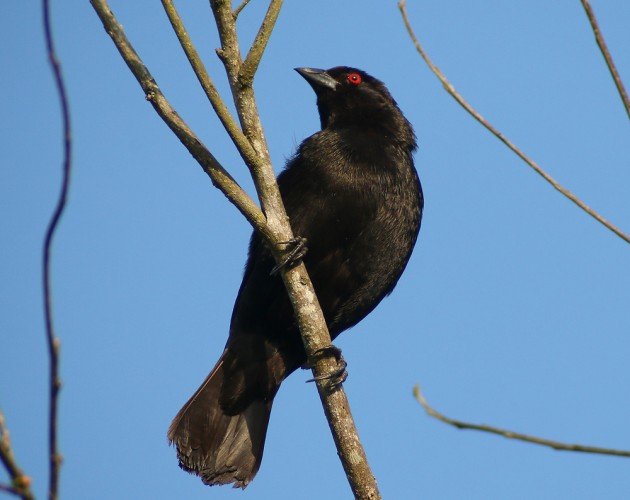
20,482
556,445
9,489
451,90
609,60
55,458
234,131
219,176
238,9
256,51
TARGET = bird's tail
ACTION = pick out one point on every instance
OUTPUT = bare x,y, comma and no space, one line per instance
220,448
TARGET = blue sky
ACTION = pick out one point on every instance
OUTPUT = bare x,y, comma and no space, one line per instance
513,310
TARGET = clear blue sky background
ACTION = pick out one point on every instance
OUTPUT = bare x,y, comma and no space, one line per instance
513,310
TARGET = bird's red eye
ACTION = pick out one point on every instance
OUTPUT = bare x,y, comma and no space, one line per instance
354,78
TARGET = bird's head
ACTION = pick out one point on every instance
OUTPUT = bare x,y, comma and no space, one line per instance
349,97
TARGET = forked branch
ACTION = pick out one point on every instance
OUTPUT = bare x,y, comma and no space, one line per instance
219,176
250,66
307,311
240,141
238,9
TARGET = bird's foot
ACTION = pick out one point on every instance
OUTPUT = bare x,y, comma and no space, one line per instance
340,374
295,250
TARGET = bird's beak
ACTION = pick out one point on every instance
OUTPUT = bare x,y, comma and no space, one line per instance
318,78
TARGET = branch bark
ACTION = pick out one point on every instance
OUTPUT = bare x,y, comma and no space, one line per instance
249,67
220,178
236,134
599,38
273,225
54,344
402,5
556,445
20,482
238,9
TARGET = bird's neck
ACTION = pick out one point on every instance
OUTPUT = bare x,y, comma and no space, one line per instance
376,126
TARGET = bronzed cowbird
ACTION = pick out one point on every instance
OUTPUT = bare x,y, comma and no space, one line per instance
352,192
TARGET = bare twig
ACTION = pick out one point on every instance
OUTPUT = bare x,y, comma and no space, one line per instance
219,176
451,90
238,9
9,489
20,482
273,226
609,60
244,147
249,67
55,458
556,445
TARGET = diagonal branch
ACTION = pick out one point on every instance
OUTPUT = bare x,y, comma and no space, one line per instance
556,445
9,489
451,90
256,51
20,482
246,108
599,38
238,9
240,141
54,457
219,176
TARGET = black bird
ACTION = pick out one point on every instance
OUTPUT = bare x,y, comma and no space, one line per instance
352,191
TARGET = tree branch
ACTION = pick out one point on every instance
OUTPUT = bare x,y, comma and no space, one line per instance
238,138
556,445
20,482
451,90
9,489
246,108
238,9
249,67
274,228
54,457
219,176
599,38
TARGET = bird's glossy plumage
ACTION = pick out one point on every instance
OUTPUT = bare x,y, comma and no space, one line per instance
353,192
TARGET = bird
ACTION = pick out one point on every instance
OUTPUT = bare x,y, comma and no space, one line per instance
355,202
